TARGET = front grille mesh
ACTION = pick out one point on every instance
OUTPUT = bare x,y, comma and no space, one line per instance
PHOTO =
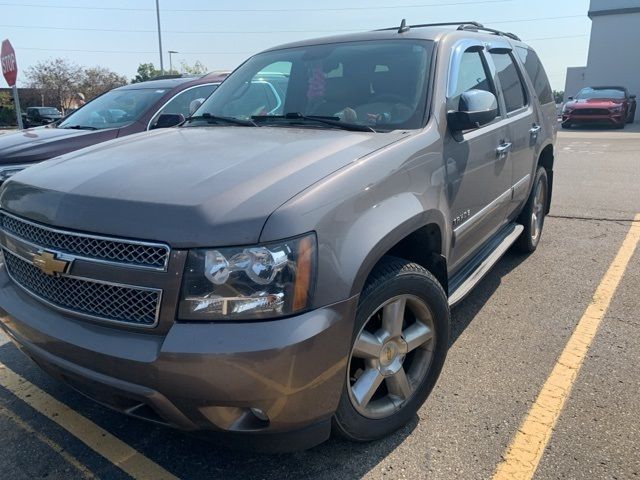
139,254
127,304
590,111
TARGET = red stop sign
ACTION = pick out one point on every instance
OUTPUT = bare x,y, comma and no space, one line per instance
8,62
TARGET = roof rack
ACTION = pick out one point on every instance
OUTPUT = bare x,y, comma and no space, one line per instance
469,26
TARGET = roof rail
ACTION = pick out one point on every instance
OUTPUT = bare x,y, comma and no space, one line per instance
469,26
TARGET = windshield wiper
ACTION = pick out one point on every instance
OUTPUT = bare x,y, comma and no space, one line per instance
332,121
80,127
216,119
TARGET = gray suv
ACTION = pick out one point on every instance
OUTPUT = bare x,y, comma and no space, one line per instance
282,265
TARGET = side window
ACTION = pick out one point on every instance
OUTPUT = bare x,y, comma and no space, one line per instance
182,101
510,81
472,75
536,73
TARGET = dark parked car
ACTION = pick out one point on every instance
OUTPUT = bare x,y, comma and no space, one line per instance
117,113
279,271
37,116
600,105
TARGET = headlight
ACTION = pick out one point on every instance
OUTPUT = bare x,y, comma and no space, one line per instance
567,110
618,108
248,283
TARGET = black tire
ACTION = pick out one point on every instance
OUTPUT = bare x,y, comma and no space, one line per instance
566,125
620,126
632,116
393,277
529,239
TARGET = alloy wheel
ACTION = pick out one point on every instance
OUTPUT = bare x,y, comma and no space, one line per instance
391,356
537,214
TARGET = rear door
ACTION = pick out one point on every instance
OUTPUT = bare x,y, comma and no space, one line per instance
525,124
477,161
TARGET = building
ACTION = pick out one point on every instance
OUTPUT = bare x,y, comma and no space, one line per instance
614,53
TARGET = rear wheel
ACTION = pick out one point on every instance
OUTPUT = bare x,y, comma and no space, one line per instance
400,343
532,217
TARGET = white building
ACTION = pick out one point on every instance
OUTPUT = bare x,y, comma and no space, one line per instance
614,51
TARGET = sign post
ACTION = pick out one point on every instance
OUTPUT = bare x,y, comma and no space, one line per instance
10,72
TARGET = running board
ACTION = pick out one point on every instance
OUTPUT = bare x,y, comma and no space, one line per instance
471,274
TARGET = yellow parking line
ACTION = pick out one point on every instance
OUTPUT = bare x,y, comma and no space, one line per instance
110,447
70,459
525,450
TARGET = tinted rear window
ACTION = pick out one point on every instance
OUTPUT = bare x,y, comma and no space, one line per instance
536,73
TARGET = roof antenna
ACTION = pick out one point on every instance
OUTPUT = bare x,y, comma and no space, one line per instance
403,27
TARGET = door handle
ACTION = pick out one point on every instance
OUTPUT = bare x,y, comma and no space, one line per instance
503,150
535,130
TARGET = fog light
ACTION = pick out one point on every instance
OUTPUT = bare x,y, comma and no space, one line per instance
260,415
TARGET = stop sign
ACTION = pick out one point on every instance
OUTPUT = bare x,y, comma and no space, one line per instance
9,64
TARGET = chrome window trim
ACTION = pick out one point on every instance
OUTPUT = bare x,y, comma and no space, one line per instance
215,84
95,237
91,280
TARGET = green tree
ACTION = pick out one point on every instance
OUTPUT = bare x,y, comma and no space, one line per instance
558,95
97,80
146,71
198,68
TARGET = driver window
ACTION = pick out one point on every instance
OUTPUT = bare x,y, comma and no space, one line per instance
181,103
472,75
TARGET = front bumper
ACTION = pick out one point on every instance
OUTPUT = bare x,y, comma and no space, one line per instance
199,376
577,118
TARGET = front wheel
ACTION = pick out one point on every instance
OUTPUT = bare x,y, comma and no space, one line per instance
533,214
400,342
632,115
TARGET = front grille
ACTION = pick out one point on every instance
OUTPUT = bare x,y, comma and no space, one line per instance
100,248
590,111
104,301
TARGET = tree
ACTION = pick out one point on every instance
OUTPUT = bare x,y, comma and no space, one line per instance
146,71
558,95
97,80
57,79
198,68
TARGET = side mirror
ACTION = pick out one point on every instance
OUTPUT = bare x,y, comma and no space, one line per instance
168,120
476,108
570,98
194,105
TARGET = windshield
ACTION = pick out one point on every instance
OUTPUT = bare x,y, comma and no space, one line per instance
114,109
378,84
604,93
48,111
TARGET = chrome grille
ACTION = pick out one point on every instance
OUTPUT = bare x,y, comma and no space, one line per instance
104,301
106,249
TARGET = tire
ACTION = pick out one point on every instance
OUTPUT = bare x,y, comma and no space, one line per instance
530,237
393,402
566,125
620,126
632,116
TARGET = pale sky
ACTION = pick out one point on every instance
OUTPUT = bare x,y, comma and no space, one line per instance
120,34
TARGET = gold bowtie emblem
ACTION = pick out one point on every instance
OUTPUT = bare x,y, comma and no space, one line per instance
49,264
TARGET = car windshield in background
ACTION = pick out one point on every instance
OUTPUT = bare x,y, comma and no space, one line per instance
603,93
377,84
114,109
49,111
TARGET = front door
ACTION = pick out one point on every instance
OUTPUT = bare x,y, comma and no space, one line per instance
477,161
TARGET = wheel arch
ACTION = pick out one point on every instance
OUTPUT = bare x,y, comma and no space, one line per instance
546,160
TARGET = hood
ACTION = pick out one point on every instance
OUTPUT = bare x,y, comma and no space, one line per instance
189,187
43,143
595,103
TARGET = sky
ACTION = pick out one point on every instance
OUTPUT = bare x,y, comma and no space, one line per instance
121,34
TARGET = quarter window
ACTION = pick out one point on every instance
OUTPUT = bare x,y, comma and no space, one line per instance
510,81
536,73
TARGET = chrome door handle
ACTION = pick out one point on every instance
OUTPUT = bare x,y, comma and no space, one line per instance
535,130
503,150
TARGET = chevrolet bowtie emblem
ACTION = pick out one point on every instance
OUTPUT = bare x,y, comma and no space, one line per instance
49,264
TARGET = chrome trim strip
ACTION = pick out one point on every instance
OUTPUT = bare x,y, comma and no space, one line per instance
468,224
90,280
95,237
520,182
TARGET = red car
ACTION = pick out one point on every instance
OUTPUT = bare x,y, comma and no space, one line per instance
600,105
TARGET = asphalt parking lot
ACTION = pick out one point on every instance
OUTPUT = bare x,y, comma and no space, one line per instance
507,338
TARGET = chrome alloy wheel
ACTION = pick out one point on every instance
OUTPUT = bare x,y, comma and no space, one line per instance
391,356
537,214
